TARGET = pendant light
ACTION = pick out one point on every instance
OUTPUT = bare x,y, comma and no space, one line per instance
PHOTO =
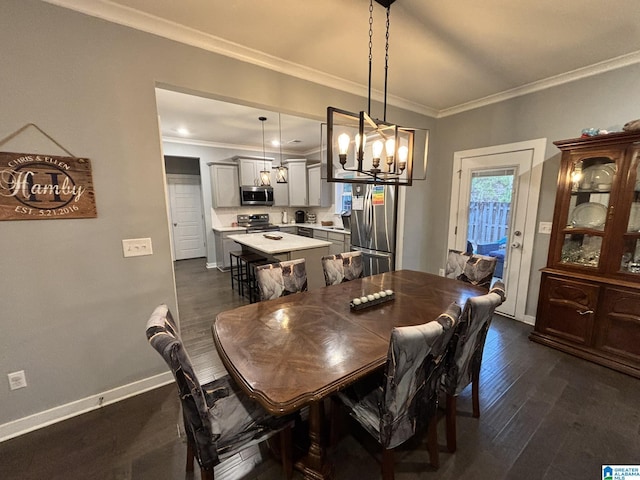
265,175
282,172
357,142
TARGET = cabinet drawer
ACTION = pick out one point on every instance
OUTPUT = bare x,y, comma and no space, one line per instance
320,234
619,324
567,309
335,236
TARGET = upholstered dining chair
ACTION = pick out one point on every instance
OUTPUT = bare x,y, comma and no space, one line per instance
471,268
279,279
393,408
342,267
219,419
464,358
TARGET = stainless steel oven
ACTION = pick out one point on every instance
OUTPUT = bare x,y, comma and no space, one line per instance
250,195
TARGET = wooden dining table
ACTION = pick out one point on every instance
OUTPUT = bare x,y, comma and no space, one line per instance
297,350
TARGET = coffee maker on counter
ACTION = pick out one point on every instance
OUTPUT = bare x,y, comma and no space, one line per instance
299,216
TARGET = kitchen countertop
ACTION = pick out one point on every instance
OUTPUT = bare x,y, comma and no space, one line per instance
315,226
288,243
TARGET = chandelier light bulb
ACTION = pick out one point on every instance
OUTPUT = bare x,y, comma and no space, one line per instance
403,153
390,146
377,148
343,143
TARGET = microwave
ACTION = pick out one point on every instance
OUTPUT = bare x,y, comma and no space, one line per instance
250,195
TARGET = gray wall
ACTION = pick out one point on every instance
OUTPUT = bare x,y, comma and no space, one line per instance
604,101
73,309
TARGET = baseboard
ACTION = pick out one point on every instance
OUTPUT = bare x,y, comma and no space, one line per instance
38,420
529,319
211,265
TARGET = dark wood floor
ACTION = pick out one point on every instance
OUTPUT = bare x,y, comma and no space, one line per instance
545,415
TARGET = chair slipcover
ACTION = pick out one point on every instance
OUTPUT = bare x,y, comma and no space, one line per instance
279,279
406,400
342,267
465,356
471,268
219,419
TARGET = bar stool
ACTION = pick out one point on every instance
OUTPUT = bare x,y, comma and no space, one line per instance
240,271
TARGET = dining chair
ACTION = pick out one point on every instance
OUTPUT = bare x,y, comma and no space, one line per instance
279,279
219,419
471,268
405,400
464,358
342,267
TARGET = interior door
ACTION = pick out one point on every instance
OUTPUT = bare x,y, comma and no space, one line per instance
524,162
187,223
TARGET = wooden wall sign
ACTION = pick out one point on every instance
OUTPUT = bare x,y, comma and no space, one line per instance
45,187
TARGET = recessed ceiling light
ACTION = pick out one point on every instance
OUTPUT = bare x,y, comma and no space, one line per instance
183,131
275,143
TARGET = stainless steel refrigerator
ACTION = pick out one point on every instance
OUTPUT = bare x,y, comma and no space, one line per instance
373,228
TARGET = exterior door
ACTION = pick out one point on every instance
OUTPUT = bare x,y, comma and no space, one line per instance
507,230
187,223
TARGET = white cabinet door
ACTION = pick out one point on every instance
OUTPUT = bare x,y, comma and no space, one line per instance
280,192
297,183
319,189
250,169
225,191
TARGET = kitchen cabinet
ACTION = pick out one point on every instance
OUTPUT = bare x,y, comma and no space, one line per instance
297,182
589,303
224,246
339,241
318,188
250,168
225,190
292,229
280,191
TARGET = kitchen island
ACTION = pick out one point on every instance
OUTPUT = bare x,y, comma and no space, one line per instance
289,247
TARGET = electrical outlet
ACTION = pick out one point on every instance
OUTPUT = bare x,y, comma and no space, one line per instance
441,272
136,247
17,380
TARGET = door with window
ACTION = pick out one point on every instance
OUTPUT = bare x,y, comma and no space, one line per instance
493,212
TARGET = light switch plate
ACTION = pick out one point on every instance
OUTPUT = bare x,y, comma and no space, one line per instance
17,380
544,227
136,247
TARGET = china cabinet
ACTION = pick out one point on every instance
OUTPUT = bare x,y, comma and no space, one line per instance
589,303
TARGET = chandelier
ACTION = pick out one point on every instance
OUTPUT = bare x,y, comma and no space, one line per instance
377,151
265,175
282,172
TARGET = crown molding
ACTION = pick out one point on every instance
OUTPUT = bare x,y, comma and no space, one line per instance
229,146
145,22
122,15
572,76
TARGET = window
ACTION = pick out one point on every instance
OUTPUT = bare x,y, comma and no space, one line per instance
342,199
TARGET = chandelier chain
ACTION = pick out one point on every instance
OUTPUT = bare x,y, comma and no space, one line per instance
370,53
386,63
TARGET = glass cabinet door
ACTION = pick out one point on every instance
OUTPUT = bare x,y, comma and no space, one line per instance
591,182
630,261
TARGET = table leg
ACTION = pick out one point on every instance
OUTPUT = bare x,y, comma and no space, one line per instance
314,465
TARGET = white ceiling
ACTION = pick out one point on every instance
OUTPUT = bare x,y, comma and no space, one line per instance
444,56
